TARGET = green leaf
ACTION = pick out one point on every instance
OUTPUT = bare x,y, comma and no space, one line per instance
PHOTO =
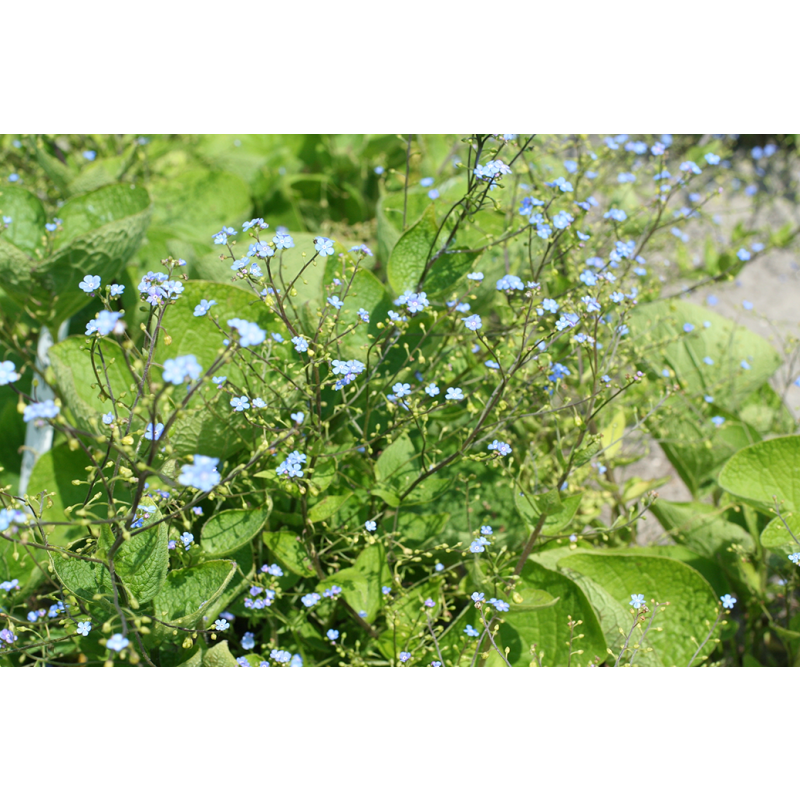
291,553
219,656
421,531
197,204
142,562
239,584
54,472
229,530
546,625
410,255
361,584
101,231
187,591
701,527
693,604
778,538
83,578
765,470
726,343
77,381
531,507
27,220
327,507
397,463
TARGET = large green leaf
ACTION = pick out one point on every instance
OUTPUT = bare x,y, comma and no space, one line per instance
361,584
78,383
218,656
187,591
327,507
701,527
782,535
27,220
693,604
546,627
86,579
727,344
200,202
764,471
142,562
286,547
229,530
531,507
396,466
412,252
101,231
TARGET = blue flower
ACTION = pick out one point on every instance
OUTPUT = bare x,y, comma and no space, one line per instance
454,394
795,558
477,597
84,628
637,601
324,246
688,327
727,601
281,656
8,373
473,322
249,333
117,642
426,182
690,166
571,166
282,241
363,315
433,194
201,475
151,435
44,410
177,370
335,302
402,389
475,276
202,307
332,634
563,220
626,177
116,289
222,624
500,605
404,656
90,283
186,540
592,306
370,525
492,364
744,365
502,448
300,344
432,390
718,420
708,398
508,283
248,641
617,214
567,321
258,222
744,255
309,600
559,371
240,403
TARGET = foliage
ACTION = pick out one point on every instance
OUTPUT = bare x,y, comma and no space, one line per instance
386,425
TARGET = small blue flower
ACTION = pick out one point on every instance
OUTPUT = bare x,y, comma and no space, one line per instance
335,302
712,159
454,394
477,597
386,590
186,540
332,634
202,307
426,182
708,360
404,656
728,601
475,276
116,289
688,327
473,322
117,642
744,365
637,601
502,448
795,558
177,370
363,315
248,641
298,417
90,283
152,435
617,214
8,373
470,631
222,624
370,525
84,628
300,344
743,255
718,420
282,241
201,475
240,403
311,599
324,246
432,390
402,389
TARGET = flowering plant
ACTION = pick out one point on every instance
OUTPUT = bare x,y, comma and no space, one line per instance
317,450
